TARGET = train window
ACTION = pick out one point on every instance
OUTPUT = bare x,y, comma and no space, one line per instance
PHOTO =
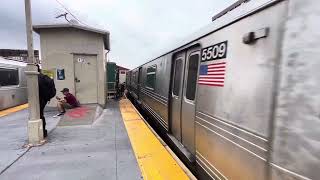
177,77
192,76
9,77
134,77
151,77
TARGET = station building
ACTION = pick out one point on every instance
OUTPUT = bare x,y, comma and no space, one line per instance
74,56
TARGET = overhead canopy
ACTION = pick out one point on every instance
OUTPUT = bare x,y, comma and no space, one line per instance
105,34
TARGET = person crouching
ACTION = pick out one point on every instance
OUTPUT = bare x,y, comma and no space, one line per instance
68,102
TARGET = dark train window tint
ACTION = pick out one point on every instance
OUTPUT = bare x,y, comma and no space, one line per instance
192,76
136,77
9,77
134,80
151,77
152,69
177,77
129,79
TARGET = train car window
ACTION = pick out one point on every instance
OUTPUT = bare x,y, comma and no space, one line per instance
134,78
151,77
9,77
177,77
192,76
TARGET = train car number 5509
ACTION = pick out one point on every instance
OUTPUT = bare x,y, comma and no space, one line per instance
214,52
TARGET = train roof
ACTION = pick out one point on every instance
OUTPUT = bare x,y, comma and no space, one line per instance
237,11
11,62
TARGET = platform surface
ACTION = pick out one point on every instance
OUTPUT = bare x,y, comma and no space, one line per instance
101,150
13,133
119,145
154,160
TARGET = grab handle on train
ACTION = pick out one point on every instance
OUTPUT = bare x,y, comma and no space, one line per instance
253,36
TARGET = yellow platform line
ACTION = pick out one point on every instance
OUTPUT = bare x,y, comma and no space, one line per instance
12,110
154,160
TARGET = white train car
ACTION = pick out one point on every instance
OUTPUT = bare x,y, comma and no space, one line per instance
13,86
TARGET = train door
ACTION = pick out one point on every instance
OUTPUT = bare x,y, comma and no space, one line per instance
183,95
176,95
139,81
189,98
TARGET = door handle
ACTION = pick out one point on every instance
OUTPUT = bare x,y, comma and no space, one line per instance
76,80
175,97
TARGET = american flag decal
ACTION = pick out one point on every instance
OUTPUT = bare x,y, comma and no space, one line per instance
212,74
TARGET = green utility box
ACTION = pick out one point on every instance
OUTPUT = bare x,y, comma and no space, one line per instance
111,77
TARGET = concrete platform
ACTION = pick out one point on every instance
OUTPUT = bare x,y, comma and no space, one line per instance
13,134
101,150
98,150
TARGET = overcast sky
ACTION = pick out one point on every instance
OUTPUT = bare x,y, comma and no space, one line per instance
139,28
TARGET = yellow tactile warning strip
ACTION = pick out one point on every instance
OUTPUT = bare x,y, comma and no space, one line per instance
12,110
154,160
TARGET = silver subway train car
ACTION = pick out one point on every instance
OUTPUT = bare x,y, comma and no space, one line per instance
13,85
231,102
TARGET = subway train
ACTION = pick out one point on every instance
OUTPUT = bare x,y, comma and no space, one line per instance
13,85
215,97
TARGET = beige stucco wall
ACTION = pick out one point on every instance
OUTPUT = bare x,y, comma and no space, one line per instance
57,49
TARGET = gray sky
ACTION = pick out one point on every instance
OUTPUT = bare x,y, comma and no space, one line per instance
139,28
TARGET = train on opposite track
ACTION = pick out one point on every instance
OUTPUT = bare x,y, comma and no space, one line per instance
13,85
214,97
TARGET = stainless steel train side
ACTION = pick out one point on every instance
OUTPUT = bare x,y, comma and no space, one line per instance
13,86
225,119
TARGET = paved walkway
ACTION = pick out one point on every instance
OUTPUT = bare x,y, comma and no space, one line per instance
98,151
13,135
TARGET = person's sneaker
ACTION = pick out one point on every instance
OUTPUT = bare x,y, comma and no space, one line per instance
60,114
